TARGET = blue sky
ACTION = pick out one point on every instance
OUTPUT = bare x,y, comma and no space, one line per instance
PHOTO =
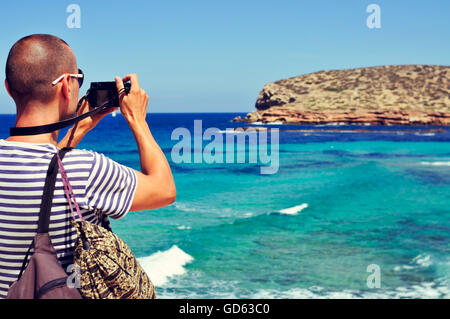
215,56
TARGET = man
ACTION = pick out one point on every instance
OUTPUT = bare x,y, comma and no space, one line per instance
43,79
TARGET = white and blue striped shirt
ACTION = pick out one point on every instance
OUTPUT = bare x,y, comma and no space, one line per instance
101,186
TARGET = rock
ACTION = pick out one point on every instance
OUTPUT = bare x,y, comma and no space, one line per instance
399,94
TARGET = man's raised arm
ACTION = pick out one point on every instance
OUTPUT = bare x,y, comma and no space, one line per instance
155,184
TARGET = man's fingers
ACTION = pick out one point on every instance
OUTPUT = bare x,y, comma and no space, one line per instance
133,78
119,83
84,107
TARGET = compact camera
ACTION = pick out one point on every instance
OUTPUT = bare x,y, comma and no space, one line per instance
104,94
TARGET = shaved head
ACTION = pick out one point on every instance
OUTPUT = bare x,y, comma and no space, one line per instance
34,62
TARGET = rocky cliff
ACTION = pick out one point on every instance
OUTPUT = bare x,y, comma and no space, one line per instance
400,94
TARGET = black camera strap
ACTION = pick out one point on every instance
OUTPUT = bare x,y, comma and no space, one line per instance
42,129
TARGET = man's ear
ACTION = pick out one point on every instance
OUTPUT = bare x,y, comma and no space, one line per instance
66,91
7,88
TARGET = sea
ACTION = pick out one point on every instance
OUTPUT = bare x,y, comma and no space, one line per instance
353,211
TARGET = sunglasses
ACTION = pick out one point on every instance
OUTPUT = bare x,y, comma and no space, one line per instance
79,76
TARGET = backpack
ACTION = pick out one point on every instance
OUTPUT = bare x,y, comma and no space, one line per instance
107,268
44,277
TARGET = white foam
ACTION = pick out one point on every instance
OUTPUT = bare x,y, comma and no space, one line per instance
232,131
182,227
293,210
428,290
403,267
274,123
420,261
435,163
183,207
163,265
424,134
231,290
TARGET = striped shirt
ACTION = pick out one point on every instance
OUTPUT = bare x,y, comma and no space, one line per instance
100,185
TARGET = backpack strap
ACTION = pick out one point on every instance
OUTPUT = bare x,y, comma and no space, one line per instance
49,188
69,192
25,260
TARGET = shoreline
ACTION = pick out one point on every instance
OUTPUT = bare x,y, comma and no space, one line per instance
246,129
286,115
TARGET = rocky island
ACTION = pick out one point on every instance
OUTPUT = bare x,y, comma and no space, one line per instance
381,95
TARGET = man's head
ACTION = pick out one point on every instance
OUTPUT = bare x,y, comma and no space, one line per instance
34,62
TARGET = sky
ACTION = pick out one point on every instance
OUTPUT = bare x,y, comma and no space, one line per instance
215,56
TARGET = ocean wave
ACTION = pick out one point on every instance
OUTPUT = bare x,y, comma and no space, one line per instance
330,124
429,290
232,131
202,208
423,260
163,265
435,163
183,207
420,261
292,210
231,290
194,286
226,131
274,123
183,227
424,134
267,123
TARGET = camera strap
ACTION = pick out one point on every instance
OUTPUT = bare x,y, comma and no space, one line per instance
47,128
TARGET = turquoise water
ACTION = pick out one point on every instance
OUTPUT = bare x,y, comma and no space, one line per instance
379,196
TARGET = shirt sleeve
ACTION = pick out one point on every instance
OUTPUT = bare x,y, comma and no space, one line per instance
110,187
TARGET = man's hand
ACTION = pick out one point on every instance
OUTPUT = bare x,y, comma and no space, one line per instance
133,106
90,122
76,133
